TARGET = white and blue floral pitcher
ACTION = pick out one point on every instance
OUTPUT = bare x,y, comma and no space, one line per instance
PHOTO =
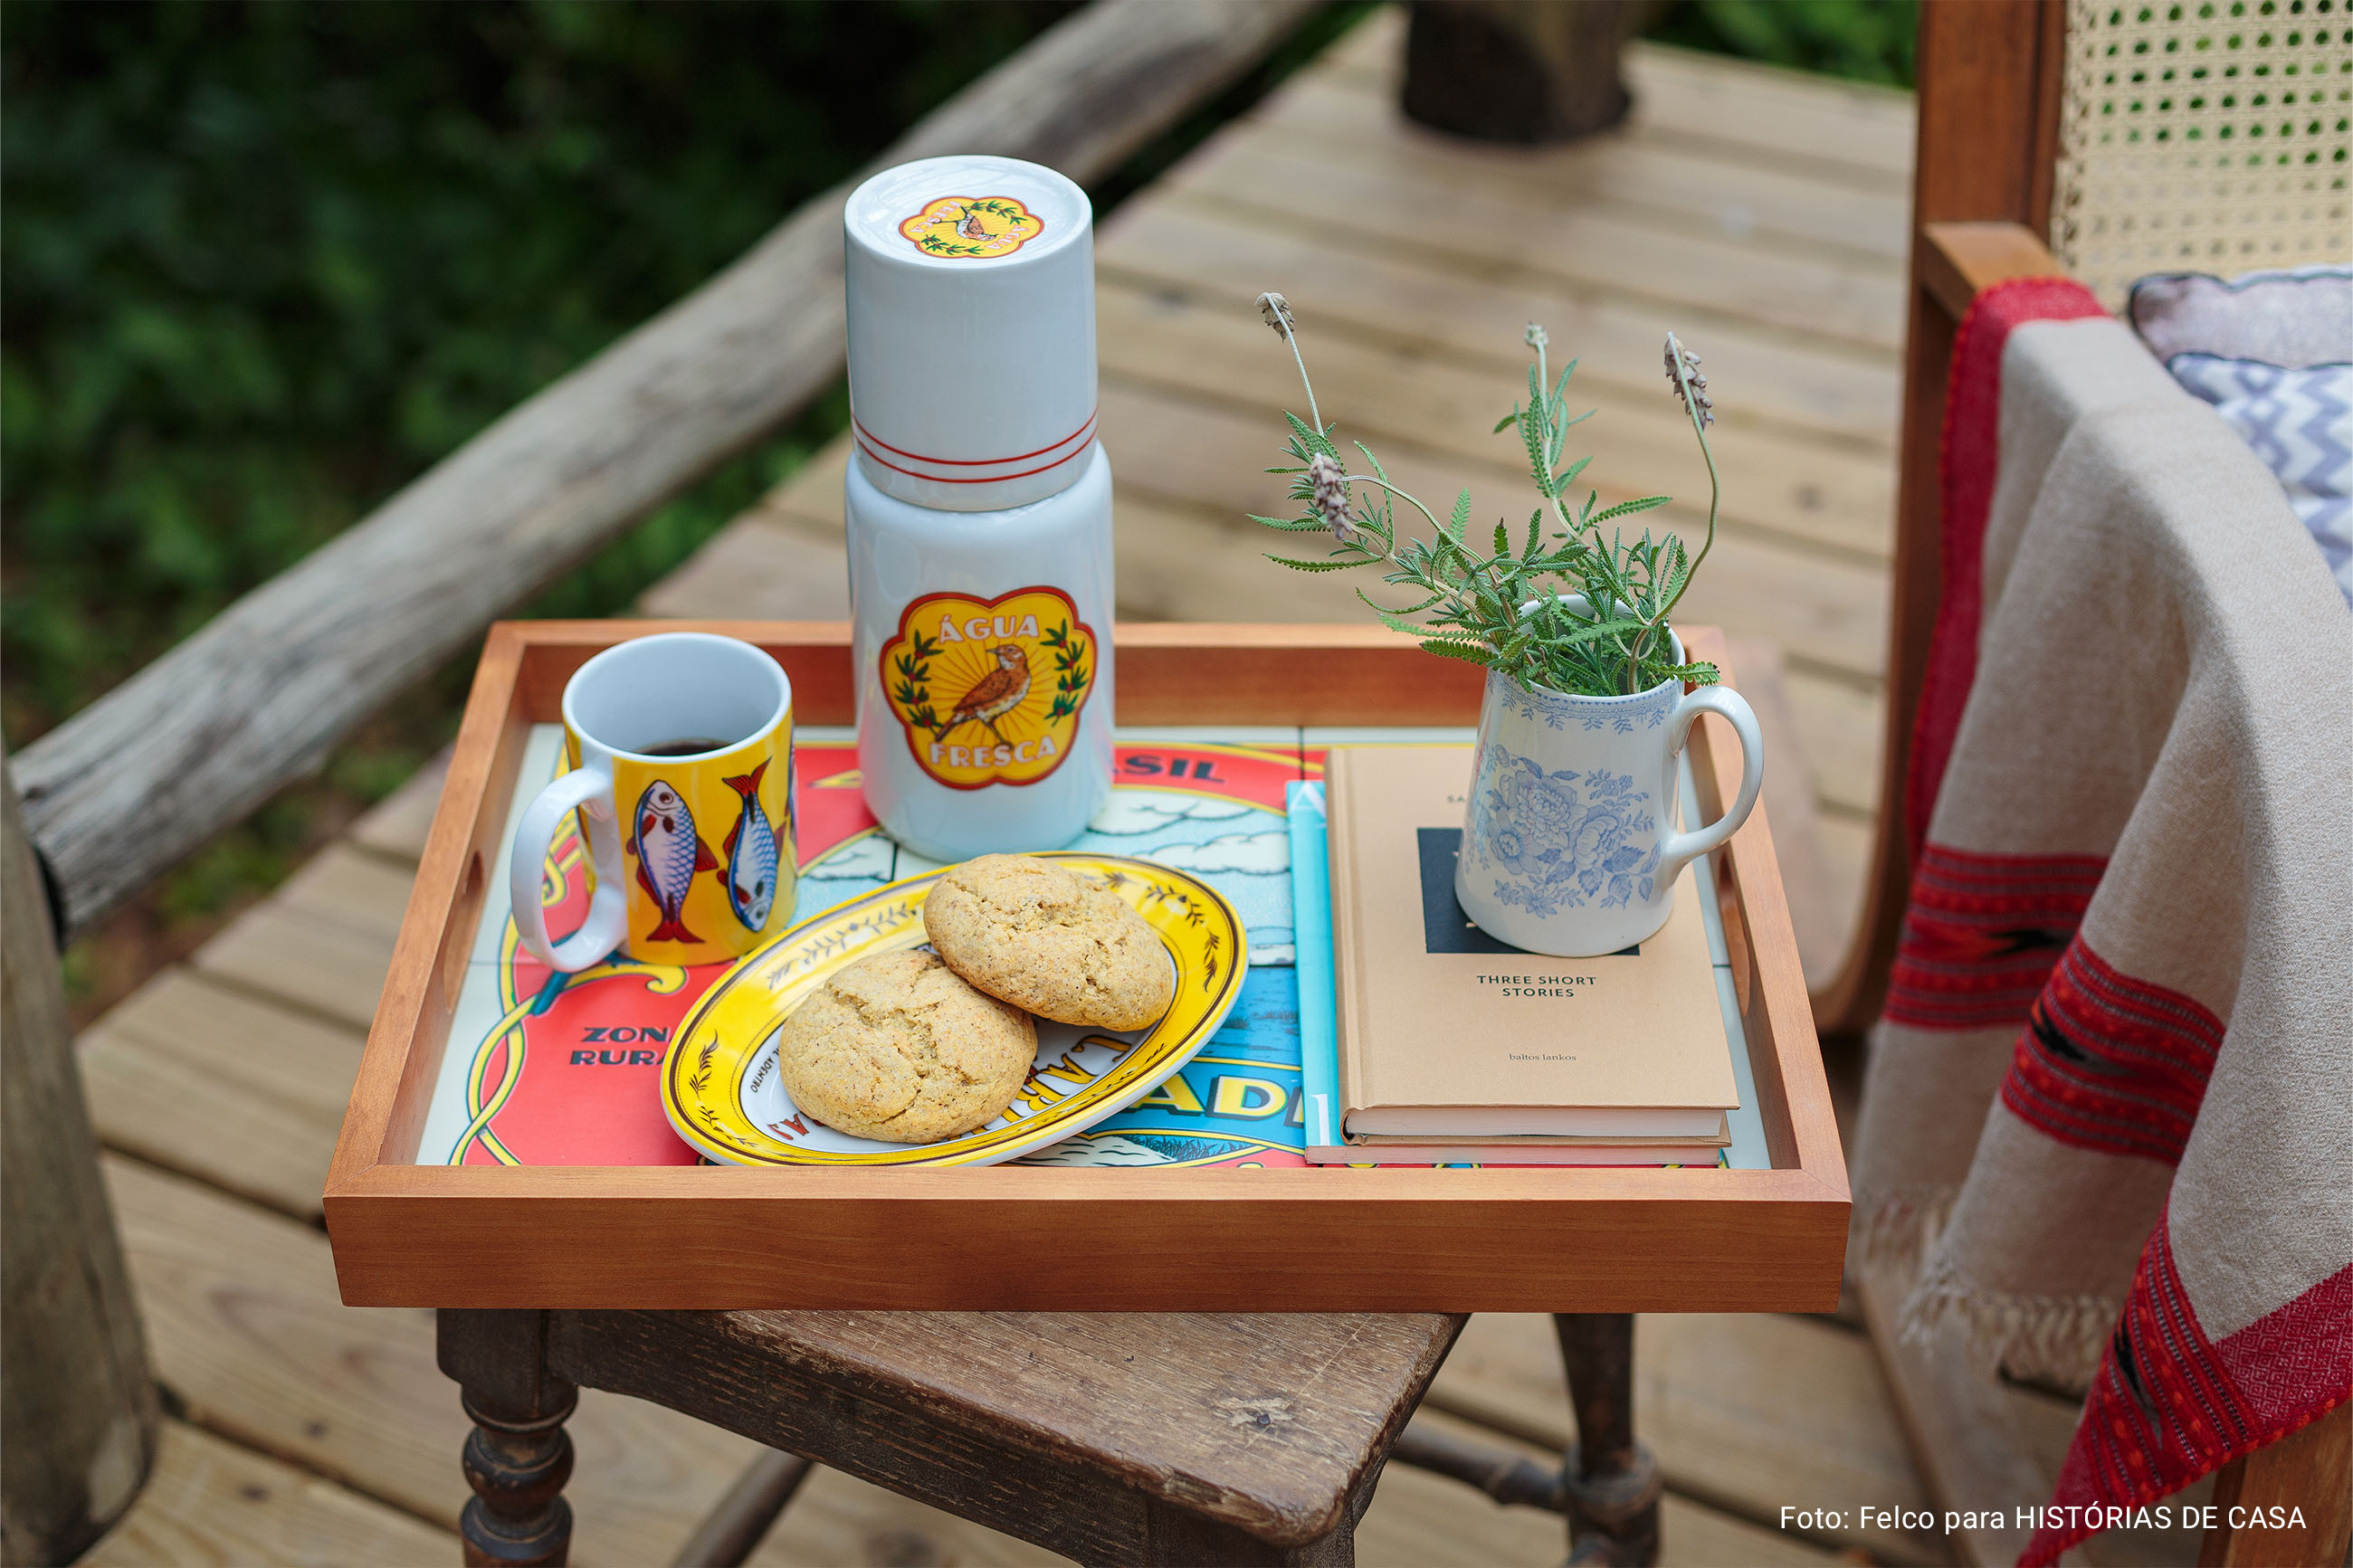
1568,844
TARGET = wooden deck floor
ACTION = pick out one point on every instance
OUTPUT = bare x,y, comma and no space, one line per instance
1759,214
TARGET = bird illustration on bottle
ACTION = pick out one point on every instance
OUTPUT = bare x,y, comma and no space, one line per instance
669,855
967,224
995,694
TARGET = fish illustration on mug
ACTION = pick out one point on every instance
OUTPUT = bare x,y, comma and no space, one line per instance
669,854
751,870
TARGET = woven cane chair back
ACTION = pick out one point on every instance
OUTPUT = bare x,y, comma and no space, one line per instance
2202,136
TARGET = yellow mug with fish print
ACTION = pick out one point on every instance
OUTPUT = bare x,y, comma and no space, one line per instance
680,746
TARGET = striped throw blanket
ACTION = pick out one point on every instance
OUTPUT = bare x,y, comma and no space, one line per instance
2110,1102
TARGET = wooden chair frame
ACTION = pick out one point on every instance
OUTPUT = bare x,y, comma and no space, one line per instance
1988,107
1990,80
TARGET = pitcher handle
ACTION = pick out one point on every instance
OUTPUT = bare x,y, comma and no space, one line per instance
588,791
1678,849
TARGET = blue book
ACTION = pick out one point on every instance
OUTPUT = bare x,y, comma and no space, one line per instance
1319,1014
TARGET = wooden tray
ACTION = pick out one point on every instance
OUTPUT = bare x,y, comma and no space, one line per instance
1314,1239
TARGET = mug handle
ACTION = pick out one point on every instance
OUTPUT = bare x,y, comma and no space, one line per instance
1678,849
590,790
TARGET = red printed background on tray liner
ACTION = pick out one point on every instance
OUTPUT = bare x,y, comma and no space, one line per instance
570,1074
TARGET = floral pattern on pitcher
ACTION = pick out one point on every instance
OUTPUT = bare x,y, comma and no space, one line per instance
1559,840
1554,710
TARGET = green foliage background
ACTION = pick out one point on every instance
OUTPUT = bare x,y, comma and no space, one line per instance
263,262
1862,40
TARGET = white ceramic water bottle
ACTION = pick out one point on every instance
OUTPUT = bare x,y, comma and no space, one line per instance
978,507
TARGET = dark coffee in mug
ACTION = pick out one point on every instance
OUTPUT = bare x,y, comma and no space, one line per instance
687,747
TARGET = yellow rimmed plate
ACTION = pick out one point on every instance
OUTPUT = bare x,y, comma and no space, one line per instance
723,1093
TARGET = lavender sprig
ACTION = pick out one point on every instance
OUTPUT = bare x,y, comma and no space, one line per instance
1500,602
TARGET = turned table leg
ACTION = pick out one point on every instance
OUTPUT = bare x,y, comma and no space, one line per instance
518,1456
1610,1481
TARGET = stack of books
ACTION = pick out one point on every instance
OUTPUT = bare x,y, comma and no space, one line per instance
1425,1041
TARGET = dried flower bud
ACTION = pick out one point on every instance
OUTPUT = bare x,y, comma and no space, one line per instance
1691,388
1331,483
1277,311
1535,337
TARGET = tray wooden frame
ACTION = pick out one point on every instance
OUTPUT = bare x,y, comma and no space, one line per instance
1584,1240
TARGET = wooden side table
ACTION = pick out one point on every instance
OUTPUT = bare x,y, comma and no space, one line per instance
1116,1438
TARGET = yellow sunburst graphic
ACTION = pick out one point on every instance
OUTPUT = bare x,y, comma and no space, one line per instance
989,690
972,227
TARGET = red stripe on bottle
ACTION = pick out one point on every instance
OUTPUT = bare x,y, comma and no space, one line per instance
873,439
990,479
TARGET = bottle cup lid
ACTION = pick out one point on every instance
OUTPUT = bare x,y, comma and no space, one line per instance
971,294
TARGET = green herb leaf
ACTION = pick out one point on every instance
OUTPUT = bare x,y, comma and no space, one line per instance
1314,440
1648,504
1472,652
1601,629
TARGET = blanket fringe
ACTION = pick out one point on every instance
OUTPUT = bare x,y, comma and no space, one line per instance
1898,1227
2050,1339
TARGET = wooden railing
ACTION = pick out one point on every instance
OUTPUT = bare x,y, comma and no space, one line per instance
123,790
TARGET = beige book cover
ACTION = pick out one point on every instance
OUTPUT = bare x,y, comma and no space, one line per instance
1444,1030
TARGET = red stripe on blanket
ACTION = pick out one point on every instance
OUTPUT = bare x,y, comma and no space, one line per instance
1981,934
2295,1364
2169,1406
2112,1063
1968,458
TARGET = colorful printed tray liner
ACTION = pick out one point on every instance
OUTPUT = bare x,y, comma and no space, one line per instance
545,1068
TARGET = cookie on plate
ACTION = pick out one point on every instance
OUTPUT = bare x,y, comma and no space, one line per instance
1029,933
896,1047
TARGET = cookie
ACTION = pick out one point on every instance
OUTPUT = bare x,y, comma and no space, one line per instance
1028,933
896,1047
